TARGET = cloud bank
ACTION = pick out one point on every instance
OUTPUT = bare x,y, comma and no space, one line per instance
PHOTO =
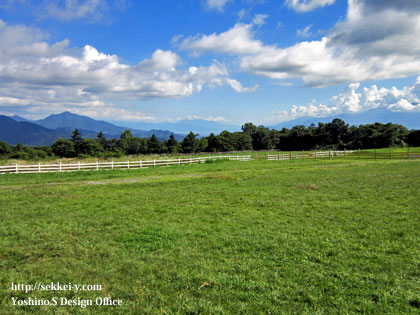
356,100
41,76
377,40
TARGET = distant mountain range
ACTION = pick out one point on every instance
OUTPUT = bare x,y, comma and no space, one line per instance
411,120
199,126
27,133
71,120
16,129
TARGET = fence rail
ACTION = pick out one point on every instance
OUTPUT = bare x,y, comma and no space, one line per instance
306,155
280,156
346,154
62,167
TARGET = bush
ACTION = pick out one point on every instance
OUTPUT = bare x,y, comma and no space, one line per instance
63,148
5,149
20,155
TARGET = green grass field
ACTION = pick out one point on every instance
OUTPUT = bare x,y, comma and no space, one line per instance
259,237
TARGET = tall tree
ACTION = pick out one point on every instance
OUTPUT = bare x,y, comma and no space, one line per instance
189,144
249,128
226,141
172,144
243,141
211,143
155,146
261,139
126,141
100,138
413,138
77,140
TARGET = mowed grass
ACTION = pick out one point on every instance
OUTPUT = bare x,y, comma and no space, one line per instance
259,237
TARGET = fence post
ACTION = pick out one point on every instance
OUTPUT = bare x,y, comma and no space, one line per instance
190,160
78,165
112,164
39,167
17,171
290,157
179,161
97,165
154,163
60,166
140,163
314,155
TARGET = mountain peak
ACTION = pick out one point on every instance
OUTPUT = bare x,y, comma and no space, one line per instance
18,118
65,114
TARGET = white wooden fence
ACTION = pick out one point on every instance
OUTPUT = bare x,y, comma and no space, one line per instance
62,167
307,155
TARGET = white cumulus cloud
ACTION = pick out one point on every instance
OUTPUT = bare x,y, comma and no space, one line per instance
237,86
305,32
259,19
377,40
208,118
356,100
39,75
236,41
307,5
217,4
73,9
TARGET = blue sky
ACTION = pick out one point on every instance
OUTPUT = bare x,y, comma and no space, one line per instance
231,61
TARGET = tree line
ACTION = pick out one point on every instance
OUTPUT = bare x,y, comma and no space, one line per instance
334,135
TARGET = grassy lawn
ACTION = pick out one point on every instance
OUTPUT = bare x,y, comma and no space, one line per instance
259,237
